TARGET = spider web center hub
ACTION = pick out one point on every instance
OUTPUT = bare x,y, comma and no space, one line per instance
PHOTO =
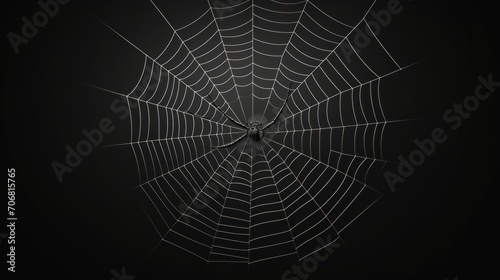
255,131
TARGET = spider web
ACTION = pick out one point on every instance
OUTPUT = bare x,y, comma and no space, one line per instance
306,179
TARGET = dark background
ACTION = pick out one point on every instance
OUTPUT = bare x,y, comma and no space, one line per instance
439,224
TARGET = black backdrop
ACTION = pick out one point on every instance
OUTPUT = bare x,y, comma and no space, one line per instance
439,224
